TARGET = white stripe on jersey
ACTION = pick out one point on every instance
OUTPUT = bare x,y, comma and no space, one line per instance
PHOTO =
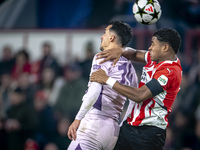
136,112
160,97
146,110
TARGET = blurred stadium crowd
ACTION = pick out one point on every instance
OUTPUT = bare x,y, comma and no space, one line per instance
39,100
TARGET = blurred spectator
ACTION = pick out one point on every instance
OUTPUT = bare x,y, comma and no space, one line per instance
180,99
196,144
23,83
50,84
46,127
51,146
192,96
61,139
181,130
35,66
86,64
58,83
5,89
31,145
21,64
48,60
47,79
21,120
70,95
7,61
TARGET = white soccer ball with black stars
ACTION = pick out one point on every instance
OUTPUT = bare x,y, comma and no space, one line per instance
147,11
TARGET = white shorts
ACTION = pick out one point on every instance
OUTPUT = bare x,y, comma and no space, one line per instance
96,132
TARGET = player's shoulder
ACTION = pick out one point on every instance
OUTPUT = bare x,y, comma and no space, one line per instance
97,62
171,70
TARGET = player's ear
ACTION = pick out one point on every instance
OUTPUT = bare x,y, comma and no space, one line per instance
166,47
112,38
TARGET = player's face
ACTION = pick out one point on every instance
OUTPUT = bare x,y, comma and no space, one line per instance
155,49
105,39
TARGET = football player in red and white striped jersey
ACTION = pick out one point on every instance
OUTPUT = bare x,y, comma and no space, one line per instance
145,129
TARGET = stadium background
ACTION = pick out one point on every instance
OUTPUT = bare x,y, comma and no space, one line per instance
46,47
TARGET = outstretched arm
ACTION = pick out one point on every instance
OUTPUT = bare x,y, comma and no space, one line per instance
135,94
134,55
129,53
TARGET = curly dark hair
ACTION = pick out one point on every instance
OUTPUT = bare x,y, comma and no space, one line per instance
123,30
170,36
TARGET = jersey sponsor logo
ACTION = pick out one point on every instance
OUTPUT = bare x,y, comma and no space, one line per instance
96,67
144,76
162,80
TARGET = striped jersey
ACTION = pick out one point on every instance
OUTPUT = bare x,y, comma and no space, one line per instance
150,111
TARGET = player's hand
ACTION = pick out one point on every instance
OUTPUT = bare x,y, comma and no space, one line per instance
99,76
72,129
111,54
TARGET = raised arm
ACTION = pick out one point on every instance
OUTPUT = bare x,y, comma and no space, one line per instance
134,55
128,52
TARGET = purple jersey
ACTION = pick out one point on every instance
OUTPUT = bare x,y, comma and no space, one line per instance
102,97
102,106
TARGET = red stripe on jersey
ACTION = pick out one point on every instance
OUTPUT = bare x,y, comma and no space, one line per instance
152,105
132,114
142,113
166,118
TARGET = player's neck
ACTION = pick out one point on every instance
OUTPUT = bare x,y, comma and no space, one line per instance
111,46
169,58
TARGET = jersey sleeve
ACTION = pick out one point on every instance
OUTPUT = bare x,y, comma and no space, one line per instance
165,77
89,99
93,92
147,57
96,66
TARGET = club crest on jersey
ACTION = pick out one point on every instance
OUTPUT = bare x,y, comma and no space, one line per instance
162,80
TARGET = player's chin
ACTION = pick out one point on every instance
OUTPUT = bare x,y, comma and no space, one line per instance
101,48
152,58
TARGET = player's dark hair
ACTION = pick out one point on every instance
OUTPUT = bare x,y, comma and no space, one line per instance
170,36
123,30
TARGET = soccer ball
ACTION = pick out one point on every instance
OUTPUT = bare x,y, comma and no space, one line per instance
147,11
